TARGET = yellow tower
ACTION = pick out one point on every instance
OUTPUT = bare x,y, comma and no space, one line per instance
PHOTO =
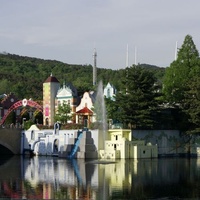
50,88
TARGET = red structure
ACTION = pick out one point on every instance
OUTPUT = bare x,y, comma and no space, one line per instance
21,103
84,116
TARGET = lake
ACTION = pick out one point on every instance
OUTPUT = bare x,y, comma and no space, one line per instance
55,178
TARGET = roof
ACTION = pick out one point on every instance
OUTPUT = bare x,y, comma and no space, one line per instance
51,79
85,110
34,127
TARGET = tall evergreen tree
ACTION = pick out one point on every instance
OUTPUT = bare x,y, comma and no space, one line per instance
191,105
182,84
137,101
181,71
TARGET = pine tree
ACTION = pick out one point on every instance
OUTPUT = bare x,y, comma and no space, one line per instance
182,84
137,102
181,71
191,105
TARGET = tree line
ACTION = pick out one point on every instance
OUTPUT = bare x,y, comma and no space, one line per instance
148,96
24,75
144,102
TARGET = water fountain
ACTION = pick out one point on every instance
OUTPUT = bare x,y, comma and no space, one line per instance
100,110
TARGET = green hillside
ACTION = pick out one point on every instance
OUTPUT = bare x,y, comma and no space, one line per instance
24,75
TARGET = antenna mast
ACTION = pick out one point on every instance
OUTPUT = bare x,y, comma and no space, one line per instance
127,56
95,68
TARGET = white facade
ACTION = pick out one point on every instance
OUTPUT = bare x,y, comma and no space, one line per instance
110,91
53,141
121,145
86,101
62,142
66,95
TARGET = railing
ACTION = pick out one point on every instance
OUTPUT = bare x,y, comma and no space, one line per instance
11,126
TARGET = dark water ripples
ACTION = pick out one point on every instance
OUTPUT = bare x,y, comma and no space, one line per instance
54,178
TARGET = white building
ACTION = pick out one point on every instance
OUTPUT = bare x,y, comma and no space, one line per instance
110,91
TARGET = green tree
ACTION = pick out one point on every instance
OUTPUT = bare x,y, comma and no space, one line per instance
5,86
63,114
191,105
181,71
111,108
182,85
137,101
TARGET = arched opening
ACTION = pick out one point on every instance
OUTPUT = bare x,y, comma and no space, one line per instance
47,121
32,135
55,146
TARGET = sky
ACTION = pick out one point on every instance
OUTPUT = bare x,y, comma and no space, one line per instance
145,31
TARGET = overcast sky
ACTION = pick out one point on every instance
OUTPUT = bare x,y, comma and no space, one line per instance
69,30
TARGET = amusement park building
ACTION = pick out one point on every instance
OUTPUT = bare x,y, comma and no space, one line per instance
81,107
54,95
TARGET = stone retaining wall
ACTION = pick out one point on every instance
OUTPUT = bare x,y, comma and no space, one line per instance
11,139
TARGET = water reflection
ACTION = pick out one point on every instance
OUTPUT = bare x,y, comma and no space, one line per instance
53,178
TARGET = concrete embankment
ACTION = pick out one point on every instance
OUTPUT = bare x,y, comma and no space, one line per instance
10,138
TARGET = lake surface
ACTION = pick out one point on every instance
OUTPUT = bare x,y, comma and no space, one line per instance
54,178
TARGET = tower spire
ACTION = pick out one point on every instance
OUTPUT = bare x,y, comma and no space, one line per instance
95,67
127,56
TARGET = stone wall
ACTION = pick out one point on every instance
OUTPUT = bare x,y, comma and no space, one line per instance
169,142
11,139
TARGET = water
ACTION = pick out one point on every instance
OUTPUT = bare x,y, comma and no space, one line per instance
54,178
100,110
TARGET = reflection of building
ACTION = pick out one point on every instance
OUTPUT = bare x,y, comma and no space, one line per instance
119,175
77,179
48,191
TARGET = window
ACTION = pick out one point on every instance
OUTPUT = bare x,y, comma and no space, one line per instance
108,93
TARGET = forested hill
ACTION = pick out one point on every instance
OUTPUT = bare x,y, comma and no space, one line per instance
24,75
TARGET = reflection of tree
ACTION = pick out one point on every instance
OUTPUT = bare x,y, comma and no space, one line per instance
31,192
19,189
62,193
